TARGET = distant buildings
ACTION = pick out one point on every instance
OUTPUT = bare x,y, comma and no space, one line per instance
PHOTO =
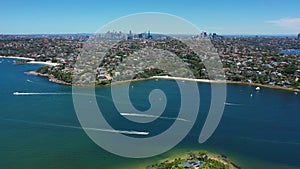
299,36
203,35
145,35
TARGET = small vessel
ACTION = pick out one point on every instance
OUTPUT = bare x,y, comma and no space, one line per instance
15,93
257,88
295,93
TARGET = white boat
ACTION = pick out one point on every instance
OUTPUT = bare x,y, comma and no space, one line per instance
257,88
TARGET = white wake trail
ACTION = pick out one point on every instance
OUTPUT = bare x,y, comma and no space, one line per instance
232,104
131,132
29,81
153,116
26,94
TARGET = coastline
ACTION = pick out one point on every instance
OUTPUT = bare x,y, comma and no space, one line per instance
53,79
17,57
43,63
226,82
184,155
50,77
31,60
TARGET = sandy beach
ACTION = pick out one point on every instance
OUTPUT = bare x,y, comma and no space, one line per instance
225,81
187,79
31,60
44,63
16,57
51,78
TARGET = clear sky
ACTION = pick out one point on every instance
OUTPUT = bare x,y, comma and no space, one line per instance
87,16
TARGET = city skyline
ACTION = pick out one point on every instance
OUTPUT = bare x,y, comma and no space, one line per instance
225,18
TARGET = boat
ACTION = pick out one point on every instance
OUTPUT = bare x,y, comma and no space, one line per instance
257,88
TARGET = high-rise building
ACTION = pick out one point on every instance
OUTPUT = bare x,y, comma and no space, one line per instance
299,36
214,35
130,35
149,36
203,34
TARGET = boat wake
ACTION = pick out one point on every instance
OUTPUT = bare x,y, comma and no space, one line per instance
232,104
29,81
26,94
131,132
153,116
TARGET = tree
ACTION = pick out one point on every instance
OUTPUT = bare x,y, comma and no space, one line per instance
43,70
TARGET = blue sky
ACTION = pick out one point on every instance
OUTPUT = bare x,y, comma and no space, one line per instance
86,16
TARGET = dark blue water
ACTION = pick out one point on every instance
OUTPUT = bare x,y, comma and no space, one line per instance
261,131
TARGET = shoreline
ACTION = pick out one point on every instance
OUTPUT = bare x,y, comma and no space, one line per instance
43,63
17,57
53,79
50,77
226,82
184,155
31,60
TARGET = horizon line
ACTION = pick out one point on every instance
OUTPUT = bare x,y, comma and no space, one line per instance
225,34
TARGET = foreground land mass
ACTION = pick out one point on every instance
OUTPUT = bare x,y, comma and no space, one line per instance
195,160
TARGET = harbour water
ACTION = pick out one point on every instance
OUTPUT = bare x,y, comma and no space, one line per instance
39,127
290,52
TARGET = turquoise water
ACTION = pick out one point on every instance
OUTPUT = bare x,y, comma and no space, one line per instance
261,131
